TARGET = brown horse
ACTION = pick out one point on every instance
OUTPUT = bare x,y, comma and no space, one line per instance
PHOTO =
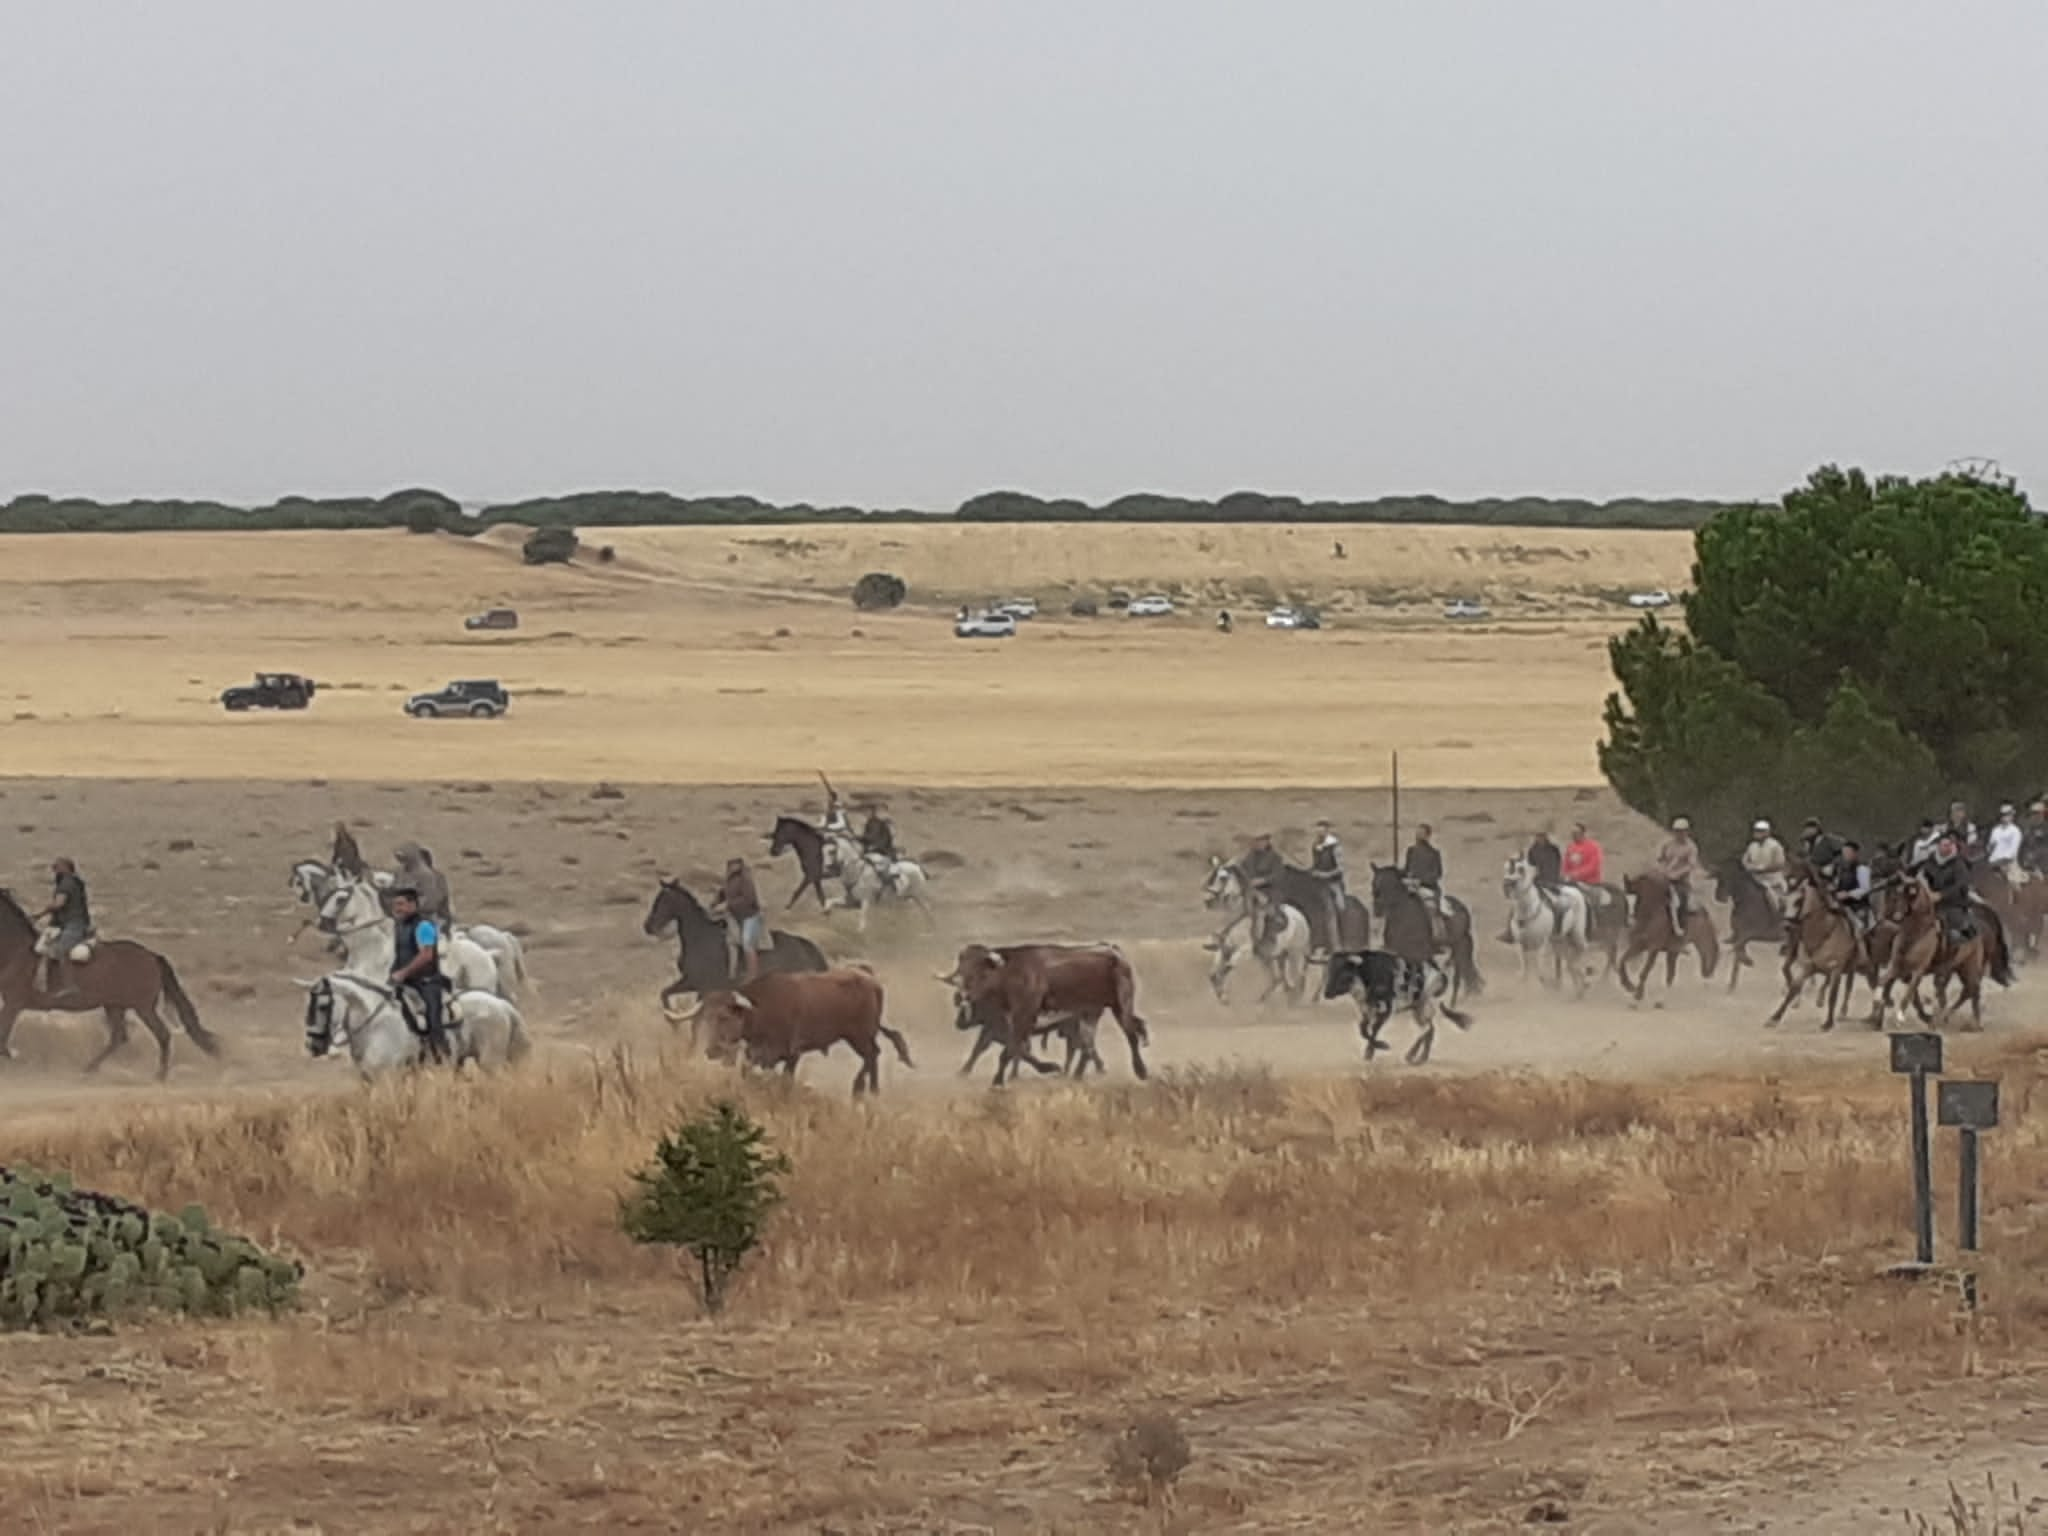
1824,943
1925,949
1652,932
121,977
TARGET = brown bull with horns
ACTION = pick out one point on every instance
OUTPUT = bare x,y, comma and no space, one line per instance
782,1017
1009,990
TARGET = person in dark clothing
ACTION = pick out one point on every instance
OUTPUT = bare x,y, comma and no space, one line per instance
1260,868
1547,860
1949,879
878,835
416,966
70,918
1326,863
1423,867
1820,848
1852,886
740,905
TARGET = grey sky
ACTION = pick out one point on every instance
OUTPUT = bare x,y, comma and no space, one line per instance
898,251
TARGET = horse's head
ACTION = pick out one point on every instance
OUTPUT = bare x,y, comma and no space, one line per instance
666,910
1388,888
310,880
792,835
1517,877
350,907
1224,887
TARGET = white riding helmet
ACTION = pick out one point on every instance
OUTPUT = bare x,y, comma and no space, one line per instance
1681,824
1761,829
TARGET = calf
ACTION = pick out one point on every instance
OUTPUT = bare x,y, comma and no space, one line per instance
1382,982
1012,990
779,1018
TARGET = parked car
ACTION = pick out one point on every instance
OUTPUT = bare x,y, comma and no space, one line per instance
1465,608
1293,618
1150,606
482,699
1657,599
492,618
1018,608
984,626
271,690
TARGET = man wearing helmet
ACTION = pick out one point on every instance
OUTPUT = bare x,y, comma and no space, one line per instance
2003,845
1764,859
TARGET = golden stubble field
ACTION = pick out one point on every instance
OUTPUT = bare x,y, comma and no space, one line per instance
1600,1270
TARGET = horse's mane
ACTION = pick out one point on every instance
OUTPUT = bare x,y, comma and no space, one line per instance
796,824
9,907
691,905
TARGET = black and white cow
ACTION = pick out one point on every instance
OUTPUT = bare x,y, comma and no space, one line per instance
1383,982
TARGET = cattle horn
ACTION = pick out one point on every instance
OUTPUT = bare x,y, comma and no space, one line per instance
741,1000
685,1016
947,981
304,986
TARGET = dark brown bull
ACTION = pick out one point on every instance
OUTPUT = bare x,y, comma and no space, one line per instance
782,1017
1013,988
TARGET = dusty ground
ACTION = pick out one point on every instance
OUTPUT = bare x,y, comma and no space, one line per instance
1072,783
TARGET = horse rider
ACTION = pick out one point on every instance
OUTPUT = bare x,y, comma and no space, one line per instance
1851,879
416,966
1223,620
1949,879
1963,830
428,885
1326,863
1423,869
1677,862
70,918
878,835
1926,842
1547,860
1261,868
1819,848
1764,860
2034,839
740,905
2003,845
1584,864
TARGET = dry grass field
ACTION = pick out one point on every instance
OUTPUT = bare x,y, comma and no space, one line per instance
1599,1269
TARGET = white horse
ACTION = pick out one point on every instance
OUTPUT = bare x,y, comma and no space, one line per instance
348,1010
1537,918
354,915
1285,955
869,878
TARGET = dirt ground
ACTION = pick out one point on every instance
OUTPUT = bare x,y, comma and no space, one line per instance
1072,783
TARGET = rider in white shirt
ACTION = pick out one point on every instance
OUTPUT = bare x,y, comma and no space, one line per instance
2002,847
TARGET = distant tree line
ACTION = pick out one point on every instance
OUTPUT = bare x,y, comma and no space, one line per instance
427,511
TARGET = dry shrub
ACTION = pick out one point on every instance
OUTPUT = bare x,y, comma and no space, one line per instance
1148,1457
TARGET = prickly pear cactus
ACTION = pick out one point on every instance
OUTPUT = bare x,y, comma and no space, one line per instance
70,1255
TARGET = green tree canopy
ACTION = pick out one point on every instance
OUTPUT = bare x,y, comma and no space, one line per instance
1858,652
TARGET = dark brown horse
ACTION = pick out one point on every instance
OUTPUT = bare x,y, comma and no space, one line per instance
1824,943
1653,932
1418,933
1926,948
1751,917
703,955
121,977
792,835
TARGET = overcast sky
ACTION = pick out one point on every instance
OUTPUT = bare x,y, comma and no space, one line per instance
894,252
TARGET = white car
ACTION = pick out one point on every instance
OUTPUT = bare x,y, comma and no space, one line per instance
984,626
1019,608
1657,599
1292,618
1465,608
1152,606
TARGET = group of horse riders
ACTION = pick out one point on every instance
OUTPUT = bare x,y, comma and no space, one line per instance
738,902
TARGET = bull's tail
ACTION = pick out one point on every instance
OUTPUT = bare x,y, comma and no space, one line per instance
174,993
1127,1001
895,1038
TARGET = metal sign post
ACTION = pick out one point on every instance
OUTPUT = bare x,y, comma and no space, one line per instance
1970,1107
1397,810
1917,1057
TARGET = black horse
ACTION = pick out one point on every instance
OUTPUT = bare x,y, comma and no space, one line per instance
1302,890
1410,929
792,835
703,955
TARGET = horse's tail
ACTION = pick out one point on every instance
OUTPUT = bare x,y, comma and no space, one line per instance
2001,953
181,1005
517,1046
1456,1016
1464,962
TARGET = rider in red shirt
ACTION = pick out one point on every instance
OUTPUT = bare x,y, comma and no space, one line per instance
1582,858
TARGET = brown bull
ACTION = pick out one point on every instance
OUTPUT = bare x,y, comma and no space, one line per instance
779,1018
1010,990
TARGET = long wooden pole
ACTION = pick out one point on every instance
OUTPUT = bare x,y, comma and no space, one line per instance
1397,809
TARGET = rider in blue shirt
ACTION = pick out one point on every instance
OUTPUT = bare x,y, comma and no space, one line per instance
416,964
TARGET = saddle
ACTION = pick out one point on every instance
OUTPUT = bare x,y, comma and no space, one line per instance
81,952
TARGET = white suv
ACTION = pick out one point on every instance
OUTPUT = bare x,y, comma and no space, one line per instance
1151,606
984,626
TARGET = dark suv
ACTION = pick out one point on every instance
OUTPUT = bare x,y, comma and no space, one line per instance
271,690
481,699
